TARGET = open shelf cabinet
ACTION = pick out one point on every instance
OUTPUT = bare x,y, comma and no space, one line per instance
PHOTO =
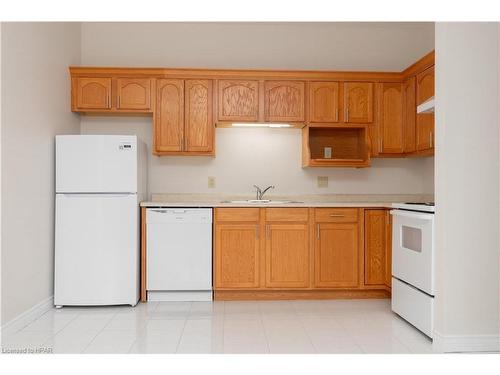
349,146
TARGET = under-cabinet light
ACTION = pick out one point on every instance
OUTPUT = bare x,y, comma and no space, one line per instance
259,125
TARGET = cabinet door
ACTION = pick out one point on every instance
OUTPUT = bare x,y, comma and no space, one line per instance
376,225
391,118
169,121
133,93
336,255
284,101
199,125
425,85
425,131
409,114
93,93
287,255
238,100
236,255
324,102
358,102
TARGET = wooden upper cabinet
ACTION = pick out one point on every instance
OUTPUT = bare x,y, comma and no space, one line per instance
184,123
358,102
287,255
199,124
284,101
409,114
236,255
425,122
425,85
91,93
169,120
323,102
376,246
336,255
238,100
391,118
425,131
133,93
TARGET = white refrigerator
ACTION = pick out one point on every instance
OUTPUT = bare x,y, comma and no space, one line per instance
100,181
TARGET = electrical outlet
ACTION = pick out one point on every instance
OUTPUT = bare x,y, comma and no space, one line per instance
322,181
211,182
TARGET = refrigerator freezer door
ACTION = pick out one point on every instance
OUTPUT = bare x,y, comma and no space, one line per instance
96,249
96,164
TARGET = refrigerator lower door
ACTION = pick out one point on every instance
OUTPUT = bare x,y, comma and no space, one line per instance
96,249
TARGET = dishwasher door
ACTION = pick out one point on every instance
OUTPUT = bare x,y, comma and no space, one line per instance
179,251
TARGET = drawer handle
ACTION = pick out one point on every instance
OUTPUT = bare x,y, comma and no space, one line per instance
337,215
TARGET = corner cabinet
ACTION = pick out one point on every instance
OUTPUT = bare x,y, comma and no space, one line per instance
391,136
184,124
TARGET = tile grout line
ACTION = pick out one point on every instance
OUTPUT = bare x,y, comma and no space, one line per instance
183,328
98,333
264,330
60,330
305,330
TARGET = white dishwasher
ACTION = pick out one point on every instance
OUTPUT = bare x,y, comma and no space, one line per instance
179,254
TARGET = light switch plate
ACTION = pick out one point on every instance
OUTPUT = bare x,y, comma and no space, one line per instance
211,182
322,181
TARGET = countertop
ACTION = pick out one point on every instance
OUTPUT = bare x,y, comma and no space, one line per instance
318,200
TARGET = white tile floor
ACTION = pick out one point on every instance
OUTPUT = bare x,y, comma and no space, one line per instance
336,326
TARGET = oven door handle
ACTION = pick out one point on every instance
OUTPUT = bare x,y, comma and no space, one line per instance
412,214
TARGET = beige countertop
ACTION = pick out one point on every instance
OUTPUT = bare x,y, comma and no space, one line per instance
318,200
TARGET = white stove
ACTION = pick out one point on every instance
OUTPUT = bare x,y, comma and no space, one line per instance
415,206
413,274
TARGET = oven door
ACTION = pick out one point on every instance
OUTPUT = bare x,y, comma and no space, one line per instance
412,249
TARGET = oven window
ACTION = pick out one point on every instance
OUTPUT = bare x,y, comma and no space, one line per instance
411,238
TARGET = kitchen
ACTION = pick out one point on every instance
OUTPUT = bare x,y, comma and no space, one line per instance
308,266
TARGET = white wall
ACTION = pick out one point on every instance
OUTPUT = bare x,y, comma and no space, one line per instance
249,156
264,157
467,186
35,107
325,46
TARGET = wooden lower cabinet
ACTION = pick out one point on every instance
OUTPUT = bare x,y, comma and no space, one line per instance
296,253
336,255
287,255
377,247
236,260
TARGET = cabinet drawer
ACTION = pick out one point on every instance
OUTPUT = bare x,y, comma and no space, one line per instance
237,214
287,214
336,215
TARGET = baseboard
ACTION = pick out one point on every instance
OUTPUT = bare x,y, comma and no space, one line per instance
465,343
25,318
266,294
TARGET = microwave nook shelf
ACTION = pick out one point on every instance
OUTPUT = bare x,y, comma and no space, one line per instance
348,146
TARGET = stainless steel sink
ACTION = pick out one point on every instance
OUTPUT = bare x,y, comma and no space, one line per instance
260,201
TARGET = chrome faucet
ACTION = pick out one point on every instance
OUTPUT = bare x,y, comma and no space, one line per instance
260,193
